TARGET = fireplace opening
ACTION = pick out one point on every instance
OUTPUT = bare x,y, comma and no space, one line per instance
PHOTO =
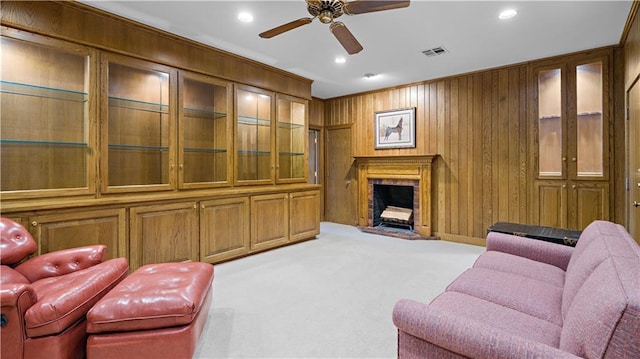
393,207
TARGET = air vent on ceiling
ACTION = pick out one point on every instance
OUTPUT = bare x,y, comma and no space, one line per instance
440,50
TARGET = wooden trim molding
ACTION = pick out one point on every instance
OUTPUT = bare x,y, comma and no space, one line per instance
83,24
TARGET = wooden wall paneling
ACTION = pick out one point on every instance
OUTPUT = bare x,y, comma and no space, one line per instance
631,43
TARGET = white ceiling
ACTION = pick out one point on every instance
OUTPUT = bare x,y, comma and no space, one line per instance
393,40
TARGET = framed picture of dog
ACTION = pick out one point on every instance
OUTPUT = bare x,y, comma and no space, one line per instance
396,128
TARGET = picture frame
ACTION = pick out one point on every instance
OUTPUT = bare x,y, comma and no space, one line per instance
395,128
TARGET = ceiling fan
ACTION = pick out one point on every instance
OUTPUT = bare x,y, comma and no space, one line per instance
328,10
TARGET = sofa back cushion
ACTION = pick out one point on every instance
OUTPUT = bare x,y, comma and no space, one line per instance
599,241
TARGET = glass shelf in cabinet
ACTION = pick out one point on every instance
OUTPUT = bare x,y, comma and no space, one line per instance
138,105
245,120
204,150
253,152
138,147
46,143
290,125
17,88
196,112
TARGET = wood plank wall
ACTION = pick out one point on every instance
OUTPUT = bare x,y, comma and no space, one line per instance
480,126
477,124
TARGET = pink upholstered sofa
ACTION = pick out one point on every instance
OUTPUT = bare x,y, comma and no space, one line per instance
525,298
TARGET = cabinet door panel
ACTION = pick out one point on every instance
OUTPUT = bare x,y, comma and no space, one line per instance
551,204
269,220
224,229
305,215
591,203
61,231
164,233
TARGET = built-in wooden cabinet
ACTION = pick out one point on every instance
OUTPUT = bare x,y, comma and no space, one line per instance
269,220
62,230
572,153
304,215
47,134
138,124
224,229
164,233
204,131
254,136
291,139
162,151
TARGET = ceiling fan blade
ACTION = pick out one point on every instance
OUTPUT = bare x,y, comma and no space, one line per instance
365,6
345,37
286,27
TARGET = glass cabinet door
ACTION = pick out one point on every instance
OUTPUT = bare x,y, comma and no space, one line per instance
291,139
254,109
551,158
47,138
571,133
589,120
139,126
204,131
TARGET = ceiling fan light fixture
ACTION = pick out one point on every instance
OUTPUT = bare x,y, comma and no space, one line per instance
340,60
370,75
325,16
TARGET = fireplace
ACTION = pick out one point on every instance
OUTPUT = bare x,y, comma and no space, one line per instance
394,203
394,195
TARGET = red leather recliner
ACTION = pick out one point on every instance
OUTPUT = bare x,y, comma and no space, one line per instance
45,299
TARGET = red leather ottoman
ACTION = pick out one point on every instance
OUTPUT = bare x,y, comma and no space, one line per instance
158,311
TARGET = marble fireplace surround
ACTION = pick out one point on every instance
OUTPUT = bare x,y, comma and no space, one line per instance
412,170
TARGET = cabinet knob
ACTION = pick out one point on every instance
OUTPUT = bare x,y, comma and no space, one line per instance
564,159
573,159
34,223
573,186
195,205
181,166
636,204
564,186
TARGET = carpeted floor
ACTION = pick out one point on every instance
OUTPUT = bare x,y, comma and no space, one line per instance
330,297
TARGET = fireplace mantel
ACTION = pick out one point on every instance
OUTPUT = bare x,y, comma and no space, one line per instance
406,167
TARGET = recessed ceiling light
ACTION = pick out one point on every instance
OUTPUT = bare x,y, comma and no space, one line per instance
340,60
507,14
245,17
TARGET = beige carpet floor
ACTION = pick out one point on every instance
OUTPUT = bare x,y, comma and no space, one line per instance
330,297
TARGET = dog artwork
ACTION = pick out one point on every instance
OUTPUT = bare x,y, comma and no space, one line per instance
397,129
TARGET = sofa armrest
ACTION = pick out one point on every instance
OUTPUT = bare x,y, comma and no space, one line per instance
546,252
61,262
466,337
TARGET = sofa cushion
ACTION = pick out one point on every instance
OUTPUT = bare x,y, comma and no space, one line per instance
604,318
10,275
529,296
525,267
65,299
499,317
599,241
154,296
